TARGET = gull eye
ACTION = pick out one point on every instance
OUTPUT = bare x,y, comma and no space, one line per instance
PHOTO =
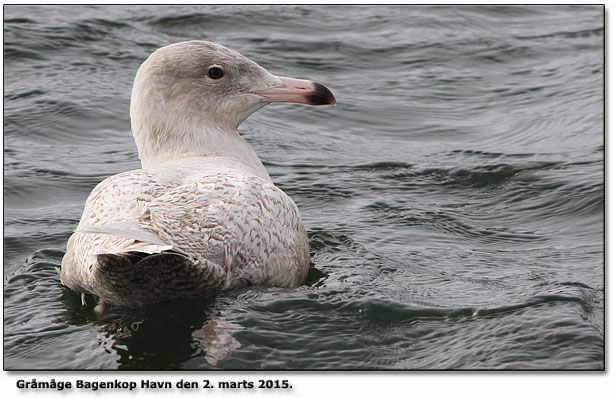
215,72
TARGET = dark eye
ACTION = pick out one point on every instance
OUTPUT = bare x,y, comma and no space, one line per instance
215,72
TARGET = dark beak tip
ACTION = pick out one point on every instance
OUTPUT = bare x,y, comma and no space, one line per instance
322,96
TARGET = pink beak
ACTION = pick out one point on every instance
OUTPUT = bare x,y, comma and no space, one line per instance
298,91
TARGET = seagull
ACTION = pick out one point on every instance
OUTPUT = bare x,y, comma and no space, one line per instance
202,216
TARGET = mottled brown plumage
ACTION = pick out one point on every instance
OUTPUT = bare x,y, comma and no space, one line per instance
203,215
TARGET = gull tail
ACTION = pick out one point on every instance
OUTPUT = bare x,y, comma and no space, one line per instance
137,278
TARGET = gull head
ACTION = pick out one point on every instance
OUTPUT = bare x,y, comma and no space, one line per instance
189,98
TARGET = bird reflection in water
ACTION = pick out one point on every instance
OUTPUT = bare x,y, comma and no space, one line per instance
216,339
162,336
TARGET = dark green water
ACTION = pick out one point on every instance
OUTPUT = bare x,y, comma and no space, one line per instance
454,199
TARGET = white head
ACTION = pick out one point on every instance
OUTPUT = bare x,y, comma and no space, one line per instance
188,99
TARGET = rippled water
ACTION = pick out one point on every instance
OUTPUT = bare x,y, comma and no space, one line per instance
454,199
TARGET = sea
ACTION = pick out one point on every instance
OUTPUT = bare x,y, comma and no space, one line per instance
454,198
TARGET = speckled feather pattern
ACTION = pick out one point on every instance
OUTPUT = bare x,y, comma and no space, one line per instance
230,228
203,215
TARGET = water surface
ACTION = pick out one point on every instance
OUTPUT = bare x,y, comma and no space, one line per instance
454,199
